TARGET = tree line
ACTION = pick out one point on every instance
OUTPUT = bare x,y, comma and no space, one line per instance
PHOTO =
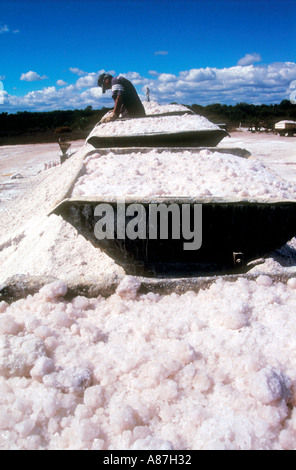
59,121
83,120
247,115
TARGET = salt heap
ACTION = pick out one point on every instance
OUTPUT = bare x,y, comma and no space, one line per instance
205,370
183,173
35,244
153,107
154,125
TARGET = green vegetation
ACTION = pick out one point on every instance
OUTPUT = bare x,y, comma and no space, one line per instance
247,115
50,126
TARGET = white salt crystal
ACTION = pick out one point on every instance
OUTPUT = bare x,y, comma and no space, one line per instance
151,443
25,427
3,306
51,343
53,290
234,320
80,302
264,280
5,420
75,329
287,439
71,380
43,365
97,444
87,431
18,354
292,283
93,396
8,325
123,418
43,332
270,385
33,442
62,319
128,287
83,411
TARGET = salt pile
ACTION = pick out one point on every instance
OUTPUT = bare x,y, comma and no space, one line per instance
153,107
154,125
205,370
32,243
183,174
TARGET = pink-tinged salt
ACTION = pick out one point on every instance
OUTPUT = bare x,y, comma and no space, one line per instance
199,370
154,125
8,325
164,173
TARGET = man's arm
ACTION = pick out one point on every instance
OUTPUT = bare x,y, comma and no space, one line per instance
117,106
115,113
112,116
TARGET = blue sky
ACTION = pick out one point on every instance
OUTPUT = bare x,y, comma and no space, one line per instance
187,51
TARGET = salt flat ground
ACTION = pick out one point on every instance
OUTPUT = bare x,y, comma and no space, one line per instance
277,153
28,161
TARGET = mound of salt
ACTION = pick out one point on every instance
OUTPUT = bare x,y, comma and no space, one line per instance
204,370
185,174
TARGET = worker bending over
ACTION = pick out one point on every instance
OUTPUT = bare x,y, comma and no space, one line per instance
125,96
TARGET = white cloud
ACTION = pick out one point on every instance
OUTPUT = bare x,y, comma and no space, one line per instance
4,29
61,83
198,75
153,73
77,71
255,84
31,76
249,59
87,81
135,78
52,98
166,77
161,53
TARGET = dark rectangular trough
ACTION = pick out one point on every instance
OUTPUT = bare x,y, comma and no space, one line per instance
233,232
199,138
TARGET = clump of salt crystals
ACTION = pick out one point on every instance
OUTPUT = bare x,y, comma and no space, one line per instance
199,370
198,174
153,125
153,107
